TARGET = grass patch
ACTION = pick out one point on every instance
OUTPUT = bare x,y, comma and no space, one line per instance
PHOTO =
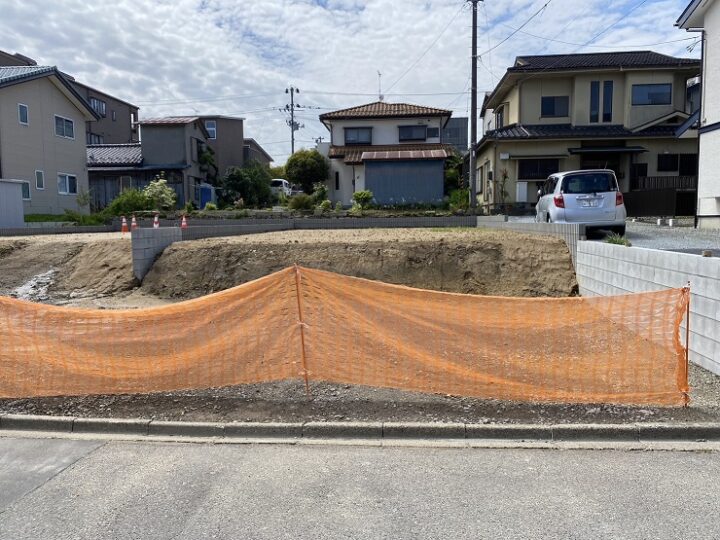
43,218
615,238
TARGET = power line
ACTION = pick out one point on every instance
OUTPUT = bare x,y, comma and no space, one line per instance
416,62
202,100
546,4
604,46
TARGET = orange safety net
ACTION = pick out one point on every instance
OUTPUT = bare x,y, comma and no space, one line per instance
318,326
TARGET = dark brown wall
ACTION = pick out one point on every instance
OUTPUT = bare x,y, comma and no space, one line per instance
228,145
116,131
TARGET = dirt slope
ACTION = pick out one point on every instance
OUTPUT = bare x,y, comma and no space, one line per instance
472,261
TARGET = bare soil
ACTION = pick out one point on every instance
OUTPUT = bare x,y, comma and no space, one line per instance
287,402
456,260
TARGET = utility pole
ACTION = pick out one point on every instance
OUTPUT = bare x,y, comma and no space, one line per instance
291,108
473,108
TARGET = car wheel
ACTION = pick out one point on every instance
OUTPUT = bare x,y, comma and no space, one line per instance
619,230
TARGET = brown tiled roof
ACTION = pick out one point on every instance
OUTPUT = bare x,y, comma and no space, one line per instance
403,155
114,155
381,109
353,154
168,120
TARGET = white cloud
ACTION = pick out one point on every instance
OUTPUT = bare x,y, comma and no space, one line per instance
154,51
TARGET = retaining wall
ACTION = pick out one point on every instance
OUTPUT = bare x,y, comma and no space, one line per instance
607,269
36,230
147,244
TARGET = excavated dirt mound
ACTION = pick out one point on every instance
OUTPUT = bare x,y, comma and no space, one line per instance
65,270
465,261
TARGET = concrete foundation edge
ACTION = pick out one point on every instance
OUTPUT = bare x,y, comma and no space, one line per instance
699,432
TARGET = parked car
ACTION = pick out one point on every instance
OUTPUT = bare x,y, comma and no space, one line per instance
591,197
296,190
279,186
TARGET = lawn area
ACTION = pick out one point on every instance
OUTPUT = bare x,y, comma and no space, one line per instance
42,218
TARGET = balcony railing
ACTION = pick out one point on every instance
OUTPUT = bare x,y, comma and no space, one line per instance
648,183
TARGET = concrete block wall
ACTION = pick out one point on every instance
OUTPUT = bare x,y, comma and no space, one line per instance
607,269
572,233
196,233
38,229
147,244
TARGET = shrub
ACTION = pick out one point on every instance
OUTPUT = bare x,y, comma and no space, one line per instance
320,192
85,219
325,206
160,195
306,167
614,238
210,207
250,183
129,201
301,201
459,199
363,198
338,207
189,208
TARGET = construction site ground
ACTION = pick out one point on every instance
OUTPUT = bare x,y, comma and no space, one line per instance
95,271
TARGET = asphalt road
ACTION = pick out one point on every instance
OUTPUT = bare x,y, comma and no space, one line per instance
59,489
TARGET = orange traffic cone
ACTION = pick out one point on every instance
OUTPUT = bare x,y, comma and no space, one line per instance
123,227
156,222
183,223
133,224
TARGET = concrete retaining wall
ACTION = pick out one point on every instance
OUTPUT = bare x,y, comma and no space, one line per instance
147,244
572,233
36,230
608,269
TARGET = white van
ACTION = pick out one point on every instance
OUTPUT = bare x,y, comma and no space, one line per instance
279,185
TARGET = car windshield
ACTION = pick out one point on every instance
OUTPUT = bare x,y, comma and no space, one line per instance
588,183
276,183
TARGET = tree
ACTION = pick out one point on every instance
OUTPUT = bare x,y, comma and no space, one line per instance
453,173
250,183
159,194
206,159
305,167
278,172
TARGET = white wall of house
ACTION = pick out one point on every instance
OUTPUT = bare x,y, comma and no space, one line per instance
709,165
25,149
384,131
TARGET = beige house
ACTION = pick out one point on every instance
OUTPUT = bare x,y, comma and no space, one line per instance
621,111
42,138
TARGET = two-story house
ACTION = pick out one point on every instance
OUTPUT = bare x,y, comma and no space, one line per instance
618,110
704,16
394,150
42,142
171,145
226,138
116,119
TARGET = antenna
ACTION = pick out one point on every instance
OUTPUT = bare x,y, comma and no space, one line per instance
380,94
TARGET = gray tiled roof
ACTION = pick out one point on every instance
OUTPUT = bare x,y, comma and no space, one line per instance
567,131
10,74
633,59
169,120
381,109
114,155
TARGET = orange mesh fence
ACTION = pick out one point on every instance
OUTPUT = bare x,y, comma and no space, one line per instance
318,326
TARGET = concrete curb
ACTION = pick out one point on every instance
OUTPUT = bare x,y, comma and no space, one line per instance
366,430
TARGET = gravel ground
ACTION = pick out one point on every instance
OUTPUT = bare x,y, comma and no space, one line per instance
682,239
287,402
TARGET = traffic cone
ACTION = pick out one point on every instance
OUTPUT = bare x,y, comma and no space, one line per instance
133,224
156,222
123,227
183,223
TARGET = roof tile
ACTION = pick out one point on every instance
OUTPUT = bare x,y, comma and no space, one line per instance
563,62
382,109
114,155
353,154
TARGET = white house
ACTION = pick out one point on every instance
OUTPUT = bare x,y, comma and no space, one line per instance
394,150
704,16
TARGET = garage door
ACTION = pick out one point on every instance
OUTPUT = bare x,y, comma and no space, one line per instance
405,182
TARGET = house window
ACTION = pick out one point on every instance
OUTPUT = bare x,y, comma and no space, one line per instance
39,180
434,133
211,127
64,127
114,116
67,184
500,118
688,165
26,191
607,101
98,106
595,101
337,180
537,169
23,117
358,136
668,162
554,106
413,133
652,94
92,138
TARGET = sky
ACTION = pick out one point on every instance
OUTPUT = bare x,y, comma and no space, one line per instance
237,57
